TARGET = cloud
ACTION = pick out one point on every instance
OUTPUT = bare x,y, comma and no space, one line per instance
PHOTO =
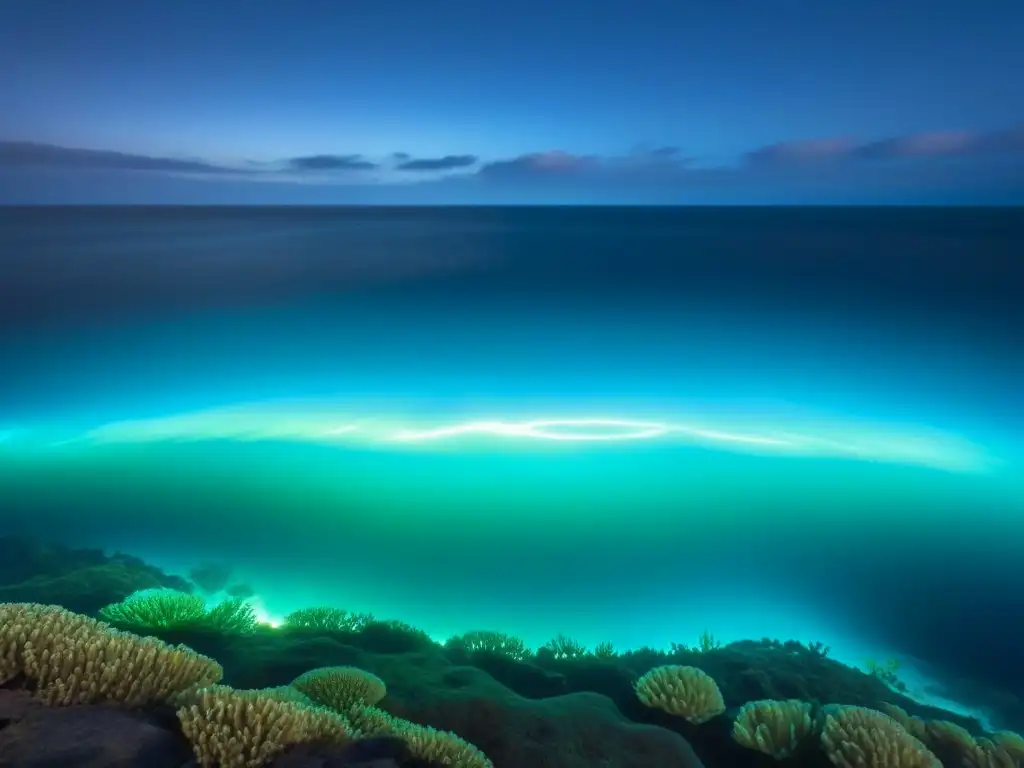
446,163
331,163
27,154
933,145
924,166
558,165
800,153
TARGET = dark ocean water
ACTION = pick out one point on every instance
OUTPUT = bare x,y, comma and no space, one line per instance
825,404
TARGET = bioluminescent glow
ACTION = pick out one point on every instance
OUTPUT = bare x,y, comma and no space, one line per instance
317,425
547,429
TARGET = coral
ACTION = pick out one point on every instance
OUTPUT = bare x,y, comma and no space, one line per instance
679,690
915,726
1012,743
169,609
954,742
327,618
564,647
156,609
74,659
605,651
286,693
340,688
245,729
857,737
496,643
776,728
425,743
232,617
988,754
944,734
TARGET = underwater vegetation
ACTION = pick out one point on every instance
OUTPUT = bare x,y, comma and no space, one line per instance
159,678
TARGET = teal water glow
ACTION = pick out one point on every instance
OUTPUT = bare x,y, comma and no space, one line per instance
323,425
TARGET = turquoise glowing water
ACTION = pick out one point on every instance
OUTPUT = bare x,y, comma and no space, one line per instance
796,425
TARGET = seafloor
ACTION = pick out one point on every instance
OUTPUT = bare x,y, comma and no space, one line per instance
331,688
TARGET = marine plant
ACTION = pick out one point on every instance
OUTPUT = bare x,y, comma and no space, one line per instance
886,672
327,618
680,690
492,643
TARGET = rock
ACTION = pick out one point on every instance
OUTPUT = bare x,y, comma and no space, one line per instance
380,752
85,590
90,737
14,705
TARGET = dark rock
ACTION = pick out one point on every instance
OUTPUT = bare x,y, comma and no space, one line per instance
580,730
381,752
89,737
25,559
14,705
521,676
85,590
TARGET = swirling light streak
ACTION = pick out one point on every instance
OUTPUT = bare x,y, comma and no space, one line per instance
846,439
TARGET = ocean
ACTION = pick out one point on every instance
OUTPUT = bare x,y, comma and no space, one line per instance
626,425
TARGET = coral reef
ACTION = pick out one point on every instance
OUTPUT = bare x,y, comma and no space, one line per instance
336,688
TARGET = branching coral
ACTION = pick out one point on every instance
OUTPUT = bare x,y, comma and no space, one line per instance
857,737
776,728
605,651
340,688
564,647
949,739
496,643
246,729
156,609
915,726
169,609
986,753
73,659
425,743
327,618
232,617
679,690
1012,743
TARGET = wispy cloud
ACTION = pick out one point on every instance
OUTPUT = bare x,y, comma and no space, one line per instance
446,163
331,163
28,154
927,145
913,163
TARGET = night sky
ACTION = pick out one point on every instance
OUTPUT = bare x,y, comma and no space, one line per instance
553,101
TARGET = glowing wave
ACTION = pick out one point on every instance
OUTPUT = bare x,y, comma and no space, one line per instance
855,441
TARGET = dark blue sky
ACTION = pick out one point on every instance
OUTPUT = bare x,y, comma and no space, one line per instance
557,101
